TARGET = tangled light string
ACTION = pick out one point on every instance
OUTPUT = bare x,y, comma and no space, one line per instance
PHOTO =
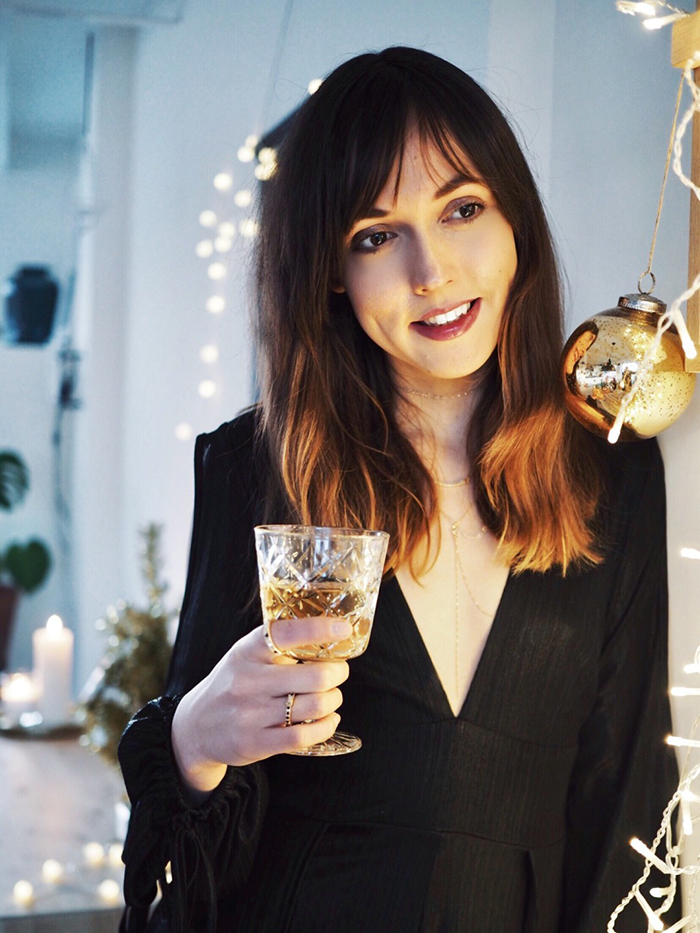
670,865
674,314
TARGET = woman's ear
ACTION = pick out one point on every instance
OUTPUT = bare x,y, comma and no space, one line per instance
338,288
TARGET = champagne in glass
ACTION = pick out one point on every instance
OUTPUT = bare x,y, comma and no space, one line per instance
312,571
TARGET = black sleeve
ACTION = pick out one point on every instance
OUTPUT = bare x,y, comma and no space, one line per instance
625,774
210,847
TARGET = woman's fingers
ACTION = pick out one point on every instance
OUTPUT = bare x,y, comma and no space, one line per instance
279,741
317,630
305,707
309,677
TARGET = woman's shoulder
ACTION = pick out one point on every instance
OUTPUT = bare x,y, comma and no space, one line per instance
632,508
233,437
628,469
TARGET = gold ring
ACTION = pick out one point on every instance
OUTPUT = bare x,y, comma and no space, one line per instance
291,697
269,642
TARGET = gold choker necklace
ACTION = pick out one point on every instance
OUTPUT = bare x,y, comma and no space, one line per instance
432,395
459,482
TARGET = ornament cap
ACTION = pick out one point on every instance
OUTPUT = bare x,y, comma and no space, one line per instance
642,301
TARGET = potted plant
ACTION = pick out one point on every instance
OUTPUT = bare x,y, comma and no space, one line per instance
23,567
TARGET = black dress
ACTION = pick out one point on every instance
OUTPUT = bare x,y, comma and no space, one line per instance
512,817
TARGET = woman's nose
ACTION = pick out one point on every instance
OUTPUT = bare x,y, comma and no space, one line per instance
429,268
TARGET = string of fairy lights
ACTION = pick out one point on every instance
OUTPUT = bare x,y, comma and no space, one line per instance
655,902
225,235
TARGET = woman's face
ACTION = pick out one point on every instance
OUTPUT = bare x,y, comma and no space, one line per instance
428,274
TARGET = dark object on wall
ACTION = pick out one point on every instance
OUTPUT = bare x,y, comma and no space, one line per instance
30,305
23,567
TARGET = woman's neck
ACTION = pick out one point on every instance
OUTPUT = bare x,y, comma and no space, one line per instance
437,425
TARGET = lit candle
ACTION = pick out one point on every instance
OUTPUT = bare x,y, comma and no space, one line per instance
53,670
23,894
109,891
18,695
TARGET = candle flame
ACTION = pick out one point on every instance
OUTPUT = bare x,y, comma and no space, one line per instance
54,624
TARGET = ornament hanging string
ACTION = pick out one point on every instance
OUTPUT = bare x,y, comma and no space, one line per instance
669,153
674,314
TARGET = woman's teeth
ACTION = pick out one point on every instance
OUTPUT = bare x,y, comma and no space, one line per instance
449,316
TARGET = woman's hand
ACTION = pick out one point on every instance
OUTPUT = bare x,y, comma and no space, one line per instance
235,715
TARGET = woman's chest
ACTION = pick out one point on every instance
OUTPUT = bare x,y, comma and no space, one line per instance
535,679
453,604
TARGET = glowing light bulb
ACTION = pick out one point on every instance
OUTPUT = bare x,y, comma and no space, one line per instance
634,6
109,891
267,155
222,244
248,228
216,271
314,85
207,219
242,198
644,850
114,854
227,228
246,154
207,388
223,181
215,304
23,894
209,353
658,22
679,742
204,249
94,854
685,691
252,141
183,431
51,871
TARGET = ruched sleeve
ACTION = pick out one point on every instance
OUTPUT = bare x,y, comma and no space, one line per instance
624,774
210,847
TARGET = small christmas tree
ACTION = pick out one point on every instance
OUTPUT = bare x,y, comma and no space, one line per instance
135,666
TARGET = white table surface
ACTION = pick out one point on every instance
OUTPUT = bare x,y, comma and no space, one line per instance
55,796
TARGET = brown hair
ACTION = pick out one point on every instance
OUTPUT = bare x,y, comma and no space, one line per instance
327,394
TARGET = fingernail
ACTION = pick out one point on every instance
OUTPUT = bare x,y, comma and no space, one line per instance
342,629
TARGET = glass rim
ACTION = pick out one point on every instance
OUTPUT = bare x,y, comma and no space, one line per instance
320,531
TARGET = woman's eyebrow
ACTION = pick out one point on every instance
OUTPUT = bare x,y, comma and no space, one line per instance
456,182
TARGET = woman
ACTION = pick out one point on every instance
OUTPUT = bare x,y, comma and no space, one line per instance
512,699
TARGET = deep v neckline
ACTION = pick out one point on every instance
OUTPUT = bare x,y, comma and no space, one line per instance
490,648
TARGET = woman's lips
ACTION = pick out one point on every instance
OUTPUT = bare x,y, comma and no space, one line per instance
450,330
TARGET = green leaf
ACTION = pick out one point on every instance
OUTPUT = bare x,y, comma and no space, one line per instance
28,564
14,480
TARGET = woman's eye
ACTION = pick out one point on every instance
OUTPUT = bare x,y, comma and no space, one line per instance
372,241
467,211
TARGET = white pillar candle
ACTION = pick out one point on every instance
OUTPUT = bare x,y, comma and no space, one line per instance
53,670
18,696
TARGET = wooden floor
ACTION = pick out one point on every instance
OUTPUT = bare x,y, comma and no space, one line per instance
55,796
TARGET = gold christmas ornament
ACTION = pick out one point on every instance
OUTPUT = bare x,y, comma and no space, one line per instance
601,365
